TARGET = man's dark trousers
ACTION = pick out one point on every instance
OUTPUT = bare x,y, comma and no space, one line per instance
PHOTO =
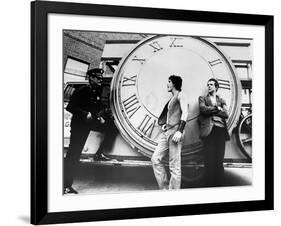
214,155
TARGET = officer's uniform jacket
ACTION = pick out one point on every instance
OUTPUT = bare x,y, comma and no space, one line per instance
83,101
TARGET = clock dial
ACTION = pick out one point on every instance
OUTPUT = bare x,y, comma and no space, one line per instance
139,87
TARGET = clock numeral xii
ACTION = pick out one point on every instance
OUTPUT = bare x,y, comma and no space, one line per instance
175,42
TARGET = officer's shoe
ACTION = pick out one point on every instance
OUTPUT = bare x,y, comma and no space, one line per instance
69,190
101,157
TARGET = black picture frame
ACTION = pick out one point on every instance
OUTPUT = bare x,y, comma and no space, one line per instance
39,111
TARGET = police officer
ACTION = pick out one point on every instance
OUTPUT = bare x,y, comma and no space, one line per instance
85,105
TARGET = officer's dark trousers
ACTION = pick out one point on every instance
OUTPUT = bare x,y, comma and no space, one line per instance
78,137
214,145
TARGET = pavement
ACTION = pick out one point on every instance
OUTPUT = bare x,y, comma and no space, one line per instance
110,178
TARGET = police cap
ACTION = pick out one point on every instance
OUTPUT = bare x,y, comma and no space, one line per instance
94,71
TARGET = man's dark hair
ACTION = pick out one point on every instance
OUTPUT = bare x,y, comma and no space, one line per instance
177,81
215,81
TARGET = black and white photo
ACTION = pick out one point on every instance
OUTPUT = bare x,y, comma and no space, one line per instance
145,112
135,105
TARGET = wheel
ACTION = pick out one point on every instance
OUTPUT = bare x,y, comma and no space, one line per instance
244,136
193,171
193,176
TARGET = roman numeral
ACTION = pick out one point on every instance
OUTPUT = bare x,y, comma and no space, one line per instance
174,44
147,125
129,81
131,105
224,84
156,46
141,60
215,62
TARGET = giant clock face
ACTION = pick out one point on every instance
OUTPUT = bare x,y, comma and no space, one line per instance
139,87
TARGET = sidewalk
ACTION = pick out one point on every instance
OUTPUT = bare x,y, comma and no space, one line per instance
93,179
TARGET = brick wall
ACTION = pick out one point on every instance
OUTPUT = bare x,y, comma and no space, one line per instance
88,46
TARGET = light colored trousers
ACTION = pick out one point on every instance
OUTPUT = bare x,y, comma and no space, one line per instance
167,146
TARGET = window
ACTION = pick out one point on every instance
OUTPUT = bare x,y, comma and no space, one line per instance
244,69
75,70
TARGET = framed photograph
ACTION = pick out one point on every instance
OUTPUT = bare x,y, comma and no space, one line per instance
145,112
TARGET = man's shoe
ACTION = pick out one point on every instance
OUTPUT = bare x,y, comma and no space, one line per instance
101,157
69,190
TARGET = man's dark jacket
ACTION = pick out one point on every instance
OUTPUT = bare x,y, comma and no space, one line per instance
207,111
